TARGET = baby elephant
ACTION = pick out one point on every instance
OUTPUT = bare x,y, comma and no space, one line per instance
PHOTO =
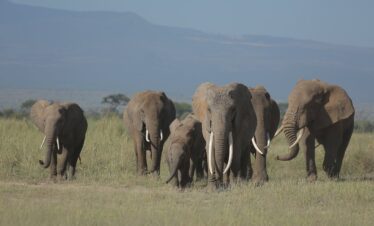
186,151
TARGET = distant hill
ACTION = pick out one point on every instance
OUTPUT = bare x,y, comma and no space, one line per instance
43,48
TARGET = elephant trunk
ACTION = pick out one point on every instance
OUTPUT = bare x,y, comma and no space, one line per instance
50,139
261,138
155,150
290,133
262,141
220,144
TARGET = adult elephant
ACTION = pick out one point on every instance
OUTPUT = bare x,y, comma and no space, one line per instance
147,118
228,124
321,112
64,126
268,117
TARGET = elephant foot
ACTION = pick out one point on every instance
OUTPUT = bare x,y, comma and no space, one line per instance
311,177
260,179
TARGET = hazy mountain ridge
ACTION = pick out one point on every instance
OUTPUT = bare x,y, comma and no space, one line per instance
44,48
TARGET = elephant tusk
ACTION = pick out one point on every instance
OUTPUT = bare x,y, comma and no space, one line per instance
231,152
256,147
278,131
268,141
147,136
58,143
298,138
161,135
210,153
41,146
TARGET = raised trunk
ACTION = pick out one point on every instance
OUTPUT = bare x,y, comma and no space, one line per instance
290,133
50,139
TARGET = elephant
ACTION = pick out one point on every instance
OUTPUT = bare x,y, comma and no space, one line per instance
228,124
186,151
147,118
268,117
64,126
321,112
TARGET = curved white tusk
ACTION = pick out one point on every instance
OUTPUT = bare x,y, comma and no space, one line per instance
58,143
268,141
256,147
280,129
298,138
161,135
210,153
41,146
147,136
231,153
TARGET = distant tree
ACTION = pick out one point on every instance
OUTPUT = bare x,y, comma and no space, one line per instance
10,113
26,106
114,101
182,109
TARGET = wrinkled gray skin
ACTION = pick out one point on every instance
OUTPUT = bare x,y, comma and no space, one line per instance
268,116
186,151
66,122
222,110
327,114
152,111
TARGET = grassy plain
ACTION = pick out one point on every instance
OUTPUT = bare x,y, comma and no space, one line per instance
108,192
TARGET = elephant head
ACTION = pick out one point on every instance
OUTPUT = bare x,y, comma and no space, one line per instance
226,115
267,114
49,118
316,105
151,114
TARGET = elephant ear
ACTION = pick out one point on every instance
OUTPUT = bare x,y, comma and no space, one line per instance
274,117
337,105
134,116
37,113
169,111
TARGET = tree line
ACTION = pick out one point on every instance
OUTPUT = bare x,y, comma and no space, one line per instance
114,102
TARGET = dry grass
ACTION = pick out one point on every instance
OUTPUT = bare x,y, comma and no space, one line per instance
108,192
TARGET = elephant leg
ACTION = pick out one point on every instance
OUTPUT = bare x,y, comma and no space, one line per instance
236,165
185,178
53,167
61,167
141,160
244,165
343,147
198,165
332,143
72,161
307,143
192,169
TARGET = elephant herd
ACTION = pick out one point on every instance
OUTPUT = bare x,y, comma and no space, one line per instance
229,125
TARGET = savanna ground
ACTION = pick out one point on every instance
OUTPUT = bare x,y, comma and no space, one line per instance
108,192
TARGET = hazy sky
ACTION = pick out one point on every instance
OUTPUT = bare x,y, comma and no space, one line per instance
335,21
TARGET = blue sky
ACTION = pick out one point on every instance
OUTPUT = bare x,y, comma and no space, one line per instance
334,21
